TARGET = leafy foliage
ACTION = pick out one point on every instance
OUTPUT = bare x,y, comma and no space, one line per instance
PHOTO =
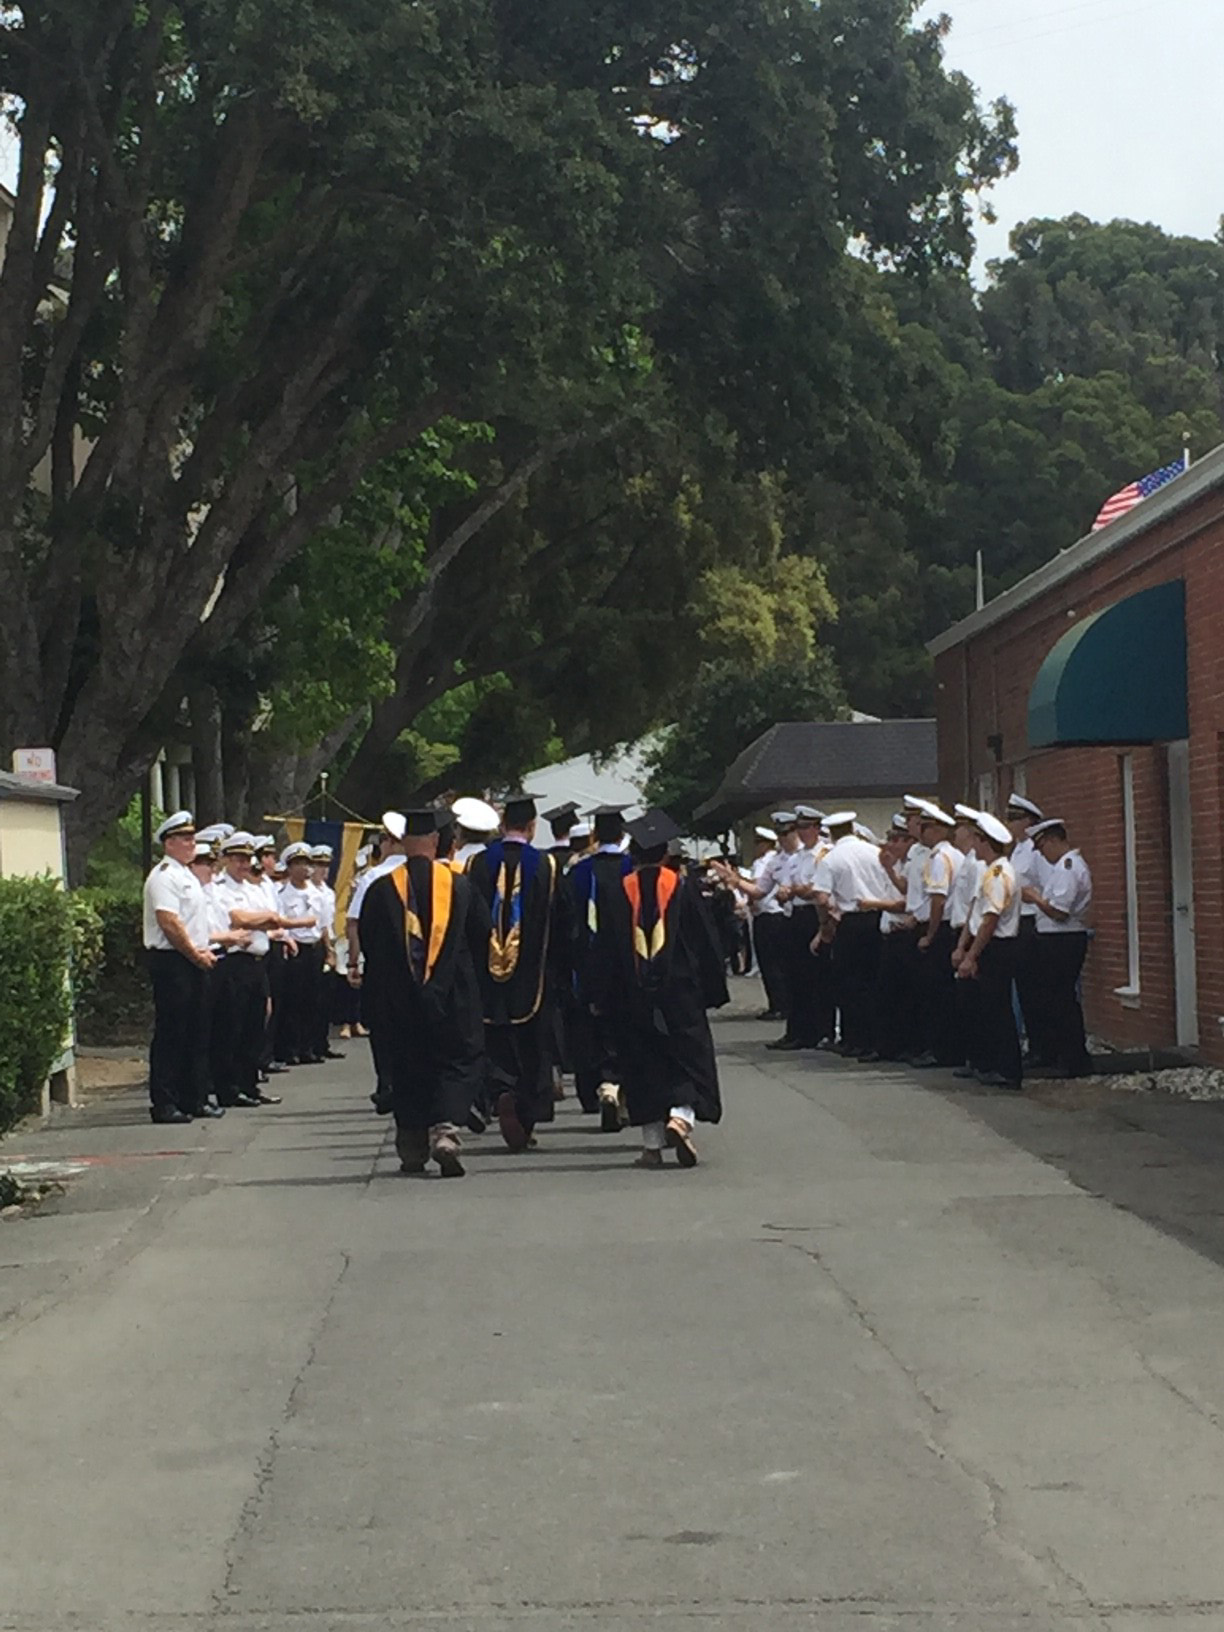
36,950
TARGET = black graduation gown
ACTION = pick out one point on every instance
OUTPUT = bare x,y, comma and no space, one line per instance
427,1021
586,887
657,1002
523,962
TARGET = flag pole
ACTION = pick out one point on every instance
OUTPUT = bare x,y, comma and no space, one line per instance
1185,450
980,586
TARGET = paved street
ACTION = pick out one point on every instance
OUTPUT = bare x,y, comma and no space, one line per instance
894,1357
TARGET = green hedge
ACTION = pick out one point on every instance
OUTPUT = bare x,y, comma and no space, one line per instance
38,934
115,1006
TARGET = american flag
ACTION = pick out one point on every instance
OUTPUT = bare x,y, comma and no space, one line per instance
1128,497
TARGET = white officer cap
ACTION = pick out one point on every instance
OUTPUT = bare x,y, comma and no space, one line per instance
967,813
203,850
783,818
936,813
477,816
862,831
915,801
580,830
809,813
321,852
1018,805
182,822
395,823
237,843
765,833
264,841
841,818
214,833
996,831
1048,826
899,822
295,852
362,858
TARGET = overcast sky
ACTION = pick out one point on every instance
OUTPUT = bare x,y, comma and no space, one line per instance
1118,103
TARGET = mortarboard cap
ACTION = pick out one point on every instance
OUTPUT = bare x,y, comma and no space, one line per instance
180,824
564,814
653,830
519,808
608,822
421,822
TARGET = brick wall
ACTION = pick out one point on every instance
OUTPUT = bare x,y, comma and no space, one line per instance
982,692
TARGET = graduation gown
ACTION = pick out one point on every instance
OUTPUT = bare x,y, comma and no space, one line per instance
420,930
523,961
592,1040
656,968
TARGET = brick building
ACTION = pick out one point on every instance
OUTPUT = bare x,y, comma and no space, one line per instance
1096,687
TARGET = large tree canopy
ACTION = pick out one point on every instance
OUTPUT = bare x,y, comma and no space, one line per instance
256,253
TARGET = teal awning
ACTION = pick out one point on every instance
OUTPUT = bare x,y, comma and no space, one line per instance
1116,677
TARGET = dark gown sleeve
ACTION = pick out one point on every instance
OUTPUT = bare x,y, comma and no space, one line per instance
697,928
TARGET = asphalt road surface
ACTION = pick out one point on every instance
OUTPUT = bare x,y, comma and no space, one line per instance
893,1357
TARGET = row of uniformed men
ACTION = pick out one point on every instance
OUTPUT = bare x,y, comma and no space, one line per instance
918,941
238,937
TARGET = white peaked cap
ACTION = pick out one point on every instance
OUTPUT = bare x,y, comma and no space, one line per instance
178,823
477,816
966,813
295,852
915,801
580,830
938,814
765,833
239,839
1024,807
393,822
993,828
203,850
265,841
841,818
362,858
1047,826
864,832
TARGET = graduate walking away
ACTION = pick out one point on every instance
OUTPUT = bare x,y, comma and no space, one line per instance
418,939
524,958
659,967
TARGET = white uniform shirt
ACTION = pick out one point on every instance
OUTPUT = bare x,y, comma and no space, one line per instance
917,903
1029,869
804,865
939,872
964,888
326,898
763,878
302,901
380,870
244,895
998,893
173,887
1068,886
777,872
218,912
852,872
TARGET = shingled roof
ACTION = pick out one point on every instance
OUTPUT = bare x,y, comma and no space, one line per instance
850,759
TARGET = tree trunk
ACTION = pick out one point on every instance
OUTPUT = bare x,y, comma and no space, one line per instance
206,754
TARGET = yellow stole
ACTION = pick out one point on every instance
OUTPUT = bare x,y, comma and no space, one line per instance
442,897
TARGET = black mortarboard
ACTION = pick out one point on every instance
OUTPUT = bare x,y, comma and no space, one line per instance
422,822
562,814
653,830
520,808
609,823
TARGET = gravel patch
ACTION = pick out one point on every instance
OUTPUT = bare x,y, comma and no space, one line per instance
1197,1082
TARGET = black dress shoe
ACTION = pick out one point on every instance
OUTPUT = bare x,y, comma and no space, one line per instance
784,1045
996,1079
966,1073
268,1099
311,1059
167,1114
476,1123
243,1102
209,1112
333,1054
276,1068
869,1058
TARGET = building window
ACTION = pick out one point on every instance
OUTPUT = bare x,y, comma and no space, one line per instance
1130,862
1020,779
